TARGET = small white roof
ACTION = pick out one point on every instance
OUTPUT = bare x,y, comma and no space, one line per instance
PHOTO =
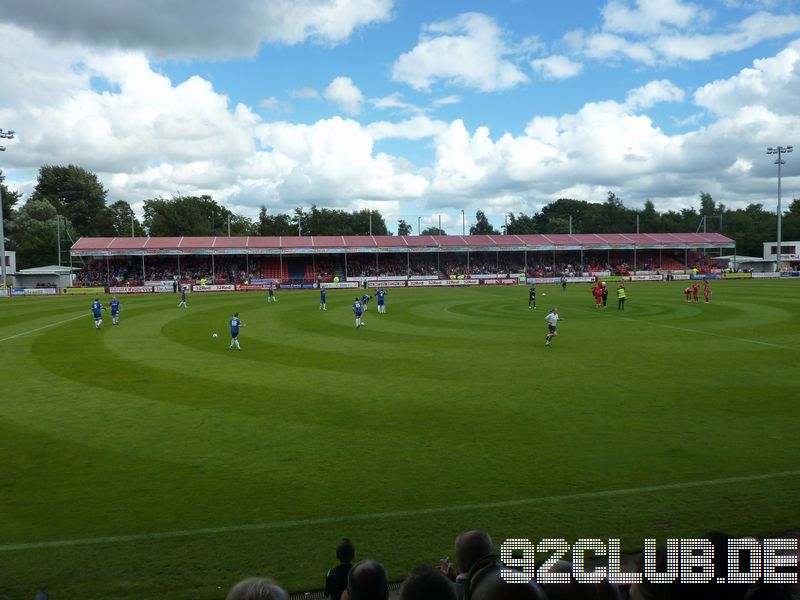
48,270
741,259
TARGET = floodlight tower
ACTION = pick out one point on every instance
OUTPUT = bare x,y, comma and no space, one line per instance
4,135
779,150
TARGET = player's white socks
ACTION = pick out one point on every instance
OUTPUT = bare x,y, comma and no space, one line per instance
235,344
97,323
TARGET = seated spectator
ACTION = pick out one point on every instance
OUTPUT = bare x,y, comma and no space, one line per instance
367,580
488,584
336,579
427,583
471,548
257,589
578,591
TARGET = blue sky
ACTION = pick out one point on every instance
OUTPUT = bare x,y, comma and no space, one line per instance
414,108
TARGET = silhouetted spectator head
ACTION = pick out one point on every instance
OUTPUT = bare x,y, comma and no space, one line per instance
257,589
472,546
488,584
578,591
345,551
769,591
367,580
427,583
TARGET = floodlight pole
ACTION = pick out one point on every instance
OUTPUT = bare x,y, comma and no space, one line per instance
4,135
58,237
779,150
2,238
463,223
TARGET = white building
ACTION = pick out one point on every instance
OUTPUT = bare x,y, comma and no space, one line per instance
11,262
50,276
790,252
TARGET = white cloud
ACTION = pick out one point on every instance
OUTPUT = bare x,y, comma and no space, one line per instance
751,31
147,136
395,101
332,159
274,104
649,16
345,94
451,99
468,50
603,46
556,67
654,92
666,31
197,27
416,128
306,93
771,83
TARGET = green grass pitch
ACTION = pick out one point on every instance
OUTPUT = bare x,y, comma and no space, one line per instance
201,466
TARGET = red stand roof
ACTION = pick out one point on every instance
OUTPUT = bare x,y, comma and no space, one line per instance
332,243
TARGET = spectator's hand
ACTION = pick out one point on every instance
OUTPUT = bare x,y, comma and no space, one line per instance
446,567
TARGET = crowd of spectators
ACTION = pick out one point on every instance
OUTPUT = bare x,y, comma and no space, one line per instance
476,575
238,269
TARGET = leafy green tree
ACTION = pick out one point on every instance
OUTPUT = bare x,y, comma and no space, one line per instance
707,205
433,231
10,198
76,194
122,217
649,221
361,223
482,225
790,222
301,222
32,232
751,227
185,216
403,228
521,224
562,209
272,225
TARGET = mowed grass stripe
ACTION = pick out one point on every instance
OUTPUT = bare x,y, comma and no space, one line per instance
289,524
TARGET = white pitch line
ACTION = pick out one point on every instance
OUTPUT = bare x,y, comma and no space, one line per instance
722,335
291,523
12,337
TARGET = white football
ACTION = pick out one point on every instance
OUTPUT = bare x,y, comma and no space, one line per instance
544,293
214,335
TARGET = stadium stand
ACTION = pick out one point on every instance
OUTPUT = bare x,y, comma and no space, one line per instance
115,261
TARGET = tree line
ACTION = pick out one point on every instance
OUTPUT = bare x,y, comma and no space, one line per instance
70,201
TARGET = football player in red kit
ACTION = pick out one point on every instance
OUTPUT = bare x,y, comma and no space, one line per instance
687,292
597,292
696,292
